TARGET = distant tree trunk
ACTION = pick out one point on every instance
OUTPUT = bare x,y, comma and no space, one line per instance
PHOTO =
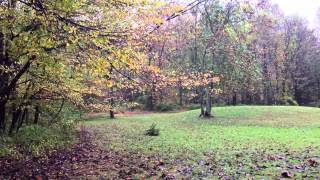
23,117
27,116
111,112
3,116
234,99
202,102
319,92
15,117
36,115
284,91
150,99
195,50
162,94
150,103
180,95
297,94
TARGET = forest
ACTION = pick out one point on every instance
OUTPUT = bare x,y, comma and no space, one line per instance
158,89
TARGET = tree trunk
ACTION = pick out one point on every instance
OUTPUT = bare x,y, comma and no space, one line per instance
234,99
3,83
208,105
2,116
208,101
36,115
15,117
27,116
284,92
111,112
150,100
150,104
319,92
23,117
297,94
202,102
180,96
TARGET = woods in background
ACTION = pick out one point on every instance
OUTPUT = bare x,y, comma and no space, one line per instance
259,55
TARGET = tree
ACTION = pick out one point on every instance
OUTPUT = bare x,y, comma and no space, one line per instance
54,50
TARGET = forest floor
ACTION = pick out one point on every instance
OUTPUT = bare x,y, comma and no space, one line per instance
239,142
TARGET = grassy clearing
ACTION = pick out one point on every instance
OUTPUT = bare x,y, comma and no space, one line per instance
258,141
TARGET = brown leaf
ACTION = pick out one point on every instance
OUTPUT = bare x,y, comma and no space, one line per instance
314,162
287,174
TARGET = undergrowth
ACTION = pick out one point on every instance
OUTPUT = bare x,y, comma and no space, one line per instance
35,140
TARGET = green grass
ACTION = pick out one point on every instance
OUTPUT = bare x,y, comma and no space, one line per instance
248,134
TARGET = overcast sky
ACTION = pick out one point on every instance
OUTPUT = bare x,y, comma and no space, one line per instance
304,8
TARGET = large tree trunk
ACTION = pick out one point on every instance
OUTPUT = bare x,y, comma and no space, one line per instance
202,102
208,104
209,101
111,114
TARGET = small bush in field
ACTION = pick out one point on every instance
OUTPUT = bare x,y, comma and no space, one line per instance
152,131
166,107
193,106
287,100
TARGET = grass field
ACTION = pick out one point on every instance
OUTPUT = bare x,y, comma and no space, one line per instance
239,142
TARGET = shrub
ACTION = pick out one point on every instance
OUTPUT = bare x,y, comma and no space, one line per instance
193,106
166,107
287,100
37,139
152,131
315,104
6,147
134,106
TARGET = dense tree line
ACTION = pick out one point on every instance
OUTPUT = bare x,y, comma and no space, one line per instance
260,55
70,52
